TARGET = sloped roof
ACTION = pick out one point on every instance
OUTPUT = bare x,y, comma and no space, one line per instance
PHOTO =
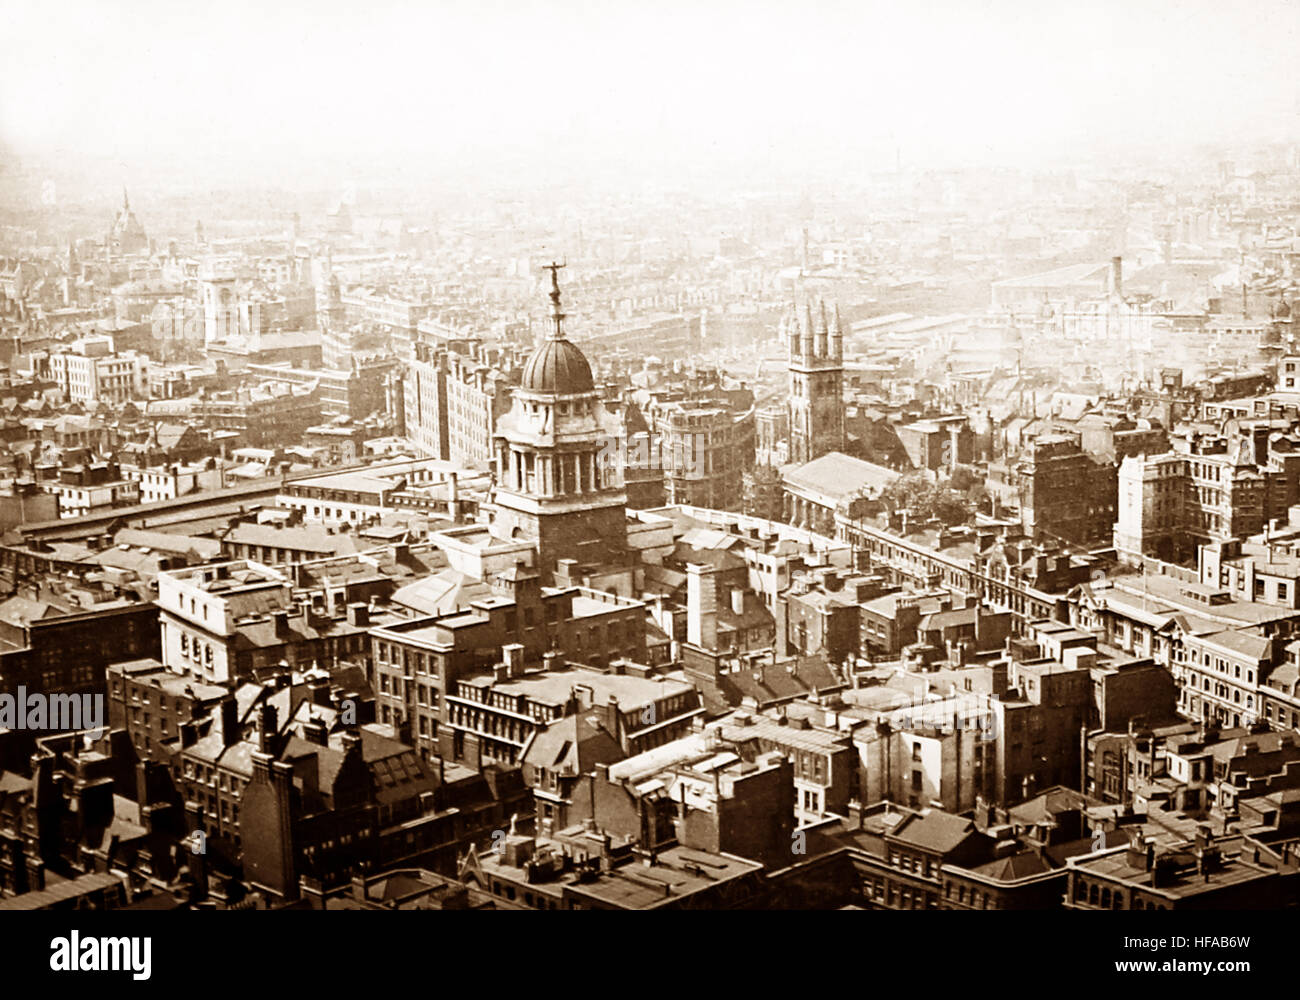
935,831
836,476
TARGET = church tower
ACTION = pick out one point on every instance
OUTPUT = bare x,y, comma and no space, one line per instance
816,368
559,480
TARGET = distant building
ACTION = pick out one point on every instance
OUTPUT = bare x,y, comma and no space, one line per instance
127,235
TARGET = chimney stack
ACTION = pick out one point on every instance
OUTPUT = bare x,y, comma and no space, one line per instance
229,721
701,606
268,724
315,731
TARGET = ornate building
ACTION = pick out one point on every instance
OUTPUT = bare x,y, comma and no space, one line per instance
127,235
559,478
816,367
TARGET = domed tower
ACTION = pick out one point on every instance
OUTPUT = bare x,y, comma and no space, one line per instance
559,478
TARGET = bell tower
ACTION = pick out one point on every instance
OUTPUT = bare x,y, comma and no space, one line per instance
815,349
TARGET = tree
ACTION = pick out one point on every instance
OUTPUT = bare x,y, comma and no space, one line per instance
926,499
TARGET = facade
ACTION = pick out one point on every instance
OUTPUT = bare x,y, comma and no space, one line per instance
1168,504
424,401
705,448
260,417
92,489
431,672
1063,493
91,372
1220,674
453,401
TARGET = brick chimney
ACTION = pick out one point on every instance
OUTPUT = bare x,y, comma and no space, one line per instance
701,606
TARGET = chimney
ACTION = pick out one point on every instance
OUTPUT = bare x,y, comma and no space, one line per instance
701,606
268,724
1136,855
1117,277
615,719
513,653
359,615
320,691
315,731
229,721
453,496
281,619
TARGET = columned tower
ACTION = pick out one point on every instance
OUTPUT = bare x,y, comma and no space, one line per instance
816,366
559,477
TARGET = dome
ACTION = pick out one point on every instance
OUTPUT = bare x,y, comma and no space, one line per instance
557,367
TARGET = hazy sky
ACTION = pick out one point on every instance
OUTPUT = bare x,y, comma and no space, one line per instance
252,84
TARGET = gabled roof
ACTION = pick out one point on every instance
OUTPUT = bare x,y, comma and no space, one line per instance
936,831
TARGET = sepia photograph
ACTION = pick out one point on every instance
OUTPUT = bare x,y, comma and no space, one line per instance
837,457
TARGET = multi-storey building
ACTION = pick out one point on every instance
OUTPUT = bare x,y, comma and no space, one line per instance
91,489
261,417
938,443
478,396
424,401
151,703
419,664
45,649
1219,676
704,448
452,402
1205,873
1216,491
90,371
222,621
1063,493
356,391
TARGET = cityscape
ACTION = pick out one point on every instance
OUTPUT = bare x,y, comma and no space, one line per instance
806,515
